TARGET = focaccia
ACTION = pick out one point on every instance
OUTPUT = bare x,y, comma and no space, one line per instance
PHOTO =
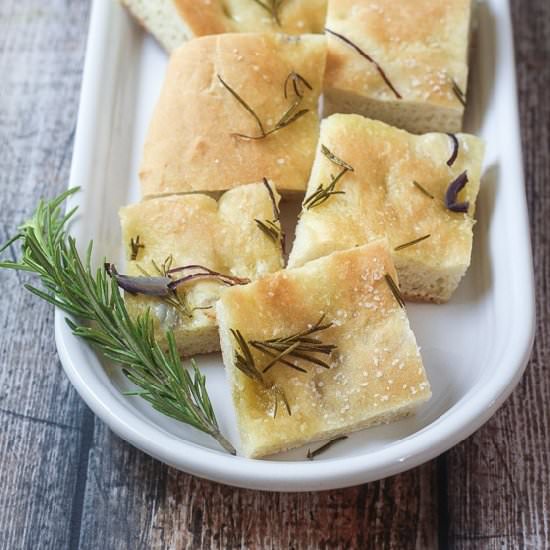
342,304
202,137
397,189
165,233
173,22
405,63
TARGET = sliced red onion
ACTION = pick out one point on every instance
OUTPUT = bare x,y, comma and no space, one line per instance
454,154
164,286
453,190
149,286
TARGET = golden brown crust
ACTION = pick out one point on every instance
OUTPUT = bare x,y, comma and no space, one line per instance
380,199
196,230
375,372
204,17
421,46
190,146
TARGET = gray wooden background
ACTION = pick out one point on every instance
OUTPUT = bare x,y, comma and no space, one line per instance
67,482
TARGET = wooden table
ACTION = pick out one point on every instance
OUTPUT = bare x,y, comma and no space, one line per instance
67,482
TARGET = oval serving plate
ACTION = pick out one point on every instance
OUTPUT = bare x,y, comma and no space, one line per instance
475,347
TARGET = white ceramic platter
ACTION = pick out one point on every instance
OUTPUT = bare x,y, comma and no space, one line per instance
475,348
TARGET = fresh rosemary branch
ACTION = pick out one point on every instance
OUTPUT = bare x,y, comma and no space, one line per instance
71,284
135,245
322,193
272,7
312,454
292,114
272,228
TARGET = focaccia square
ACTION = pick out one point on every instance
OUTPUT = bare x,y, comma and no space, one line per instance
405,63
370,371
173,22
165,233
397,189
203,138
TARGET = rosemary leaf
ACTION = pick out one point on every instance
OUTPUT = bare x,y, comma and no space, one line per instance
272,228
395,290
76,288
312,454
333,158
457,91
423,189
244,361
411,243
291,115
369,59
135,245
299,346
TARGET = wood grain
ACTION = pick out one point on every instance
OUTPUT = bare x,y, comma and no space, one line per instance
67,482
499,490
41,437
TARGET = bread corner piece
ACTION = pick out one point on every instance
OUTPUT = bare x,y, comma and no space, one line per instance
173,22
375,372
162,19
380,199
192,144
405,63
196,230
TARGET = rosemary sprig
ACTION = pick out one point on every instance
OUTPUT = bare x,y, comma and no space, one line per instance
411,243
272,228
71,284
292,114
395,290
135,245
322,193
312,454
301,345
244,361
272,7
369,58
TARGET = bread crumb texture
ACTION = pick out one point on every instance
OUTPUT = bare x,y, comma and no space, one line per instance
376,373
422,48
198,230
380,199
191,143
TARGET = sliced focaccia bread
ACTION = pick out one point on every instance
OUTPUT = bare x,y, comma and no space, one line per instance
184,250
418,191
235,108
173,22
405,63
320,351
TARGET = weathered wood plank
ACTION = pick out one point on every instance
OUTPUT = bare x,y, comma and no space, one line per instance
64,484
499,479
41,416
134,502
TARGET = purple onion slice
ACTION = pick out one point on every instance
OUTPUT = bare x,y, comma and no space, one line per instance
149,286
451,196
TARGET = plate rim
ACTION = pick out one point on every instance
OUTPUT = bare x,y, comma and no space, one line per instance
429,442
